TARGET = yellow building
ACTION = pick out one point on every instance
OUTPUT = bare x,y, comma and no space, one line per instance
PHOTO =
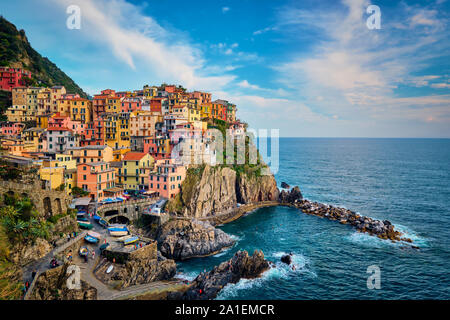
64,107
135,170
32,102
16,113
88,154
42,121
80,110
113,104
30,137
53,175
150,92
44,101
194,114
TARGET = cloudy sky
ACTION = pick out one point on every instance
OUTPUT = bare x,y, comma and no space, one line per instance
309,68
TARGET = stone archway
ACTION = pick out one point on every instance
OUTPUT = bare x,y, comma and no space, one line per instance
47,207
119,219
110,213
58,205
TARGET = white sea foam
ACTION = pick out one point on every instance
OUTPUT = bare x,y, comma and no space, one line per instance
187,276
368,240
279,270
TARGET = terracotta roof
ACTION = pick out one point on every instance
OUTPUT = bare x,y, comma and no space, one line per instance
133,156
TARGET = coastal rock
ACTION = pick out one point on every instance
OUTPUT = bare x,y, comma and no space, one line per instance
52,285
252,189
291,196
382,229
209,191
183,239
286,259
284,185
207,285
213,193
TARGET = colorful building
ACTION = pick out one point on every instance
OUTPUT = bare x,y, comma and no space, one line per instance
95,178
11,78
167,178
135,170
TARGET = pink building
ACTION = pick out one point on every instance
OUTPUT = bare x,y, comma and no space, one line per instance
131,104
57,122
12,128
167,179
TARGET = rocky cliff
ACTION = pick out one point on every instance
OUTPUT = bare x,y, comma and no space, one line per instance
24,254
208,191
52,285
183,239
207,285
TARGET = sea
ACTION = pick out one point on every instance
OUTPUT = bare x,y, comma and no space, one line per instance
406,181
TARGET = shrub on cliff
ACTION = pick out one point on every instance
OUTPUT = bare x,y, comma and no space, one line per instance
10,286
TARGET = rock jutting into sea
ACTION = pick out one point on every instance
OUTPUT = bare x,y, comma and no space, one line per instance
210,191
183,239
207,285
382,229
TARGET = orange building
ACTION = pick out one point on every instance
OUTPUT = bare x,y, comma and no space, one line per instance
96,178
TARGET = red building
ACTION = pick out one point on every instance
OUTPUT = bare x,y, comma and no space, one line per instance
99,102
13,77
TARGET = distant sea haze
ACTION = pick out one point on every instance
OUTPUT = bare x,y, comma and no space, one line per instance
406,181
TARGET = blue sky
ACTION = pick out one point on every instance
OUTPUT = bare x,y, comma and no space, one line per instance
308,68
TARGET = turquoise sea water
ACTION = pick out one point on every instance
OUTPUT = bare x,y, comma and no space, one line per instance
406,181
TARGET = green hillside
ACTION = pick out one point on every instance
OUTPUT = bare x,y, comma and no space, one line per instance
16,51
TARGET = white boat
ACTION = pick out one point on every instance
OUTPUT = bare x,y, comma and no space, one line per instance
118,233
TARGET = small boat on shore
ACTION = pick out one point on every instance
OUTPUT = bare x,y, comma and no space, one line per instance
118,230
92,237
96,218
103,223
130,240
82,217
85,225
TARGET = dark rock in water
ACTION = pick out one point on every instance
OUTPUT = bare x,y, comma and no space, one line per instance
284,185
207,285
184,239
292,196
286,259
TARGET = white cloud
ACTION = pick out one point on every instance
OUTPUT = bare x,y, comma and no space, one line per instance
261,31
246,85
141,42
225,9
357,70
441,85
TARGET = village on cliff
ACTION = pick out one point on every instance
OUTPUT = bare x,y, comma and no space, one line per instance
114,189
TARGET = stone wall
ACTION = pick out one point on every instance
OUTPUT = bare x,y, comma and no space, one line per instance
47,202
132,209
148,252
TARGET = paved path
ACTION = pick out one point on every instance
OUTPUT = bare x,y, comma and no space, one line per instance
43,264
104,292
153,287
